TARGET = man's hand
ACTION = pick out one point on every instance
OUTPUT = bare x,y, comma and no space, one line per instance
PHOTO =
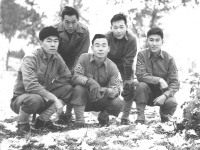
59,106
129,84
163,84
104,92
94,88
112,92
159,101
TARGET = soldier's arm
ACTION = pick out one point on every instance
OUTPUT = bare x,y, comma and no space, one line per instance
128,60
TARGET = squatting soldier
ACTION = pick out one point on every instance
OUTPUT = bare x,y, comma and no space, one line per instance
157,74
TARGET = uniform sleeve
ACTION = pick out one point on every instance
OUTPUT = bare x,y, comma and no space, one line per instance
141,72
172,79
128,59
114,83
30,79
83,45
79,77
64,72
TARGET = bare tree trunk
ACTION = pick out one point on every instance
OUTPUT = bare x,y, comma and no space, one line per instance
8,55
7,60
153,18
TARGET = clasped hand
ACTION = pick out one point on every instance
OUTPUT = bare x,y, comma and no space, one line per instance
160,100
59,106
94,88
129,84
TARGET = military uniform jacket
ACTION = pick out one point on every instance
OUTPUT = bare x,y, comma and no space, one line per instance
107,74
79,43
37,73
150,70
122,52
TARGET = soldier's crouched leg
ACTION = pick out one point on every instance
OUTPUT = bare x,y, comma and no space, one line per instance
63,92
168,108
141,98
108,106
25,105
29,103
79,101
128,95
114,106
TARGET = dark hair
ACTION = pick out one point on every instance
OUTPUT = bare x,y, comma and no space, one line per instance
155,30
48,31
70,11
99,36
119,17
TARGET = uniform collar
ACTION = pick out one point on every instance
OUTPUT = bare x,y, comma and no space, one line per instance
62,29
149,53
105,61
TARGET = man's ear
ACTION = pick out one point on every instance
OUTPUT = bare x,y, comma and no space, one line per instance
40,42
92,48
146,42
108,49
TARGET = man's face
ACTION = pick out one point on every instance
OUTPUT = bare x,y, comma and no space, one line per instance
50,45
119,29
100,48
154,42
70,23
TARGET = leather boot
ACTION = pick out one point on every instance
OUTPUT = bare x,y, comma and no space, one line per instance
39,124
140,113
24,128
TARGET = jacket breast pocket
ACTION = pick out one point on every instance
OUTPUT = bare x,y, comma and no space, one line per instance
40,78
51,78
103,81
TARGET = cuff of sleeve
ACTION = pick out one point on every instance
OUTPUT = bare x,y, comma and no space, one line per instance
83,80
156,80
49,96
113,92
166,94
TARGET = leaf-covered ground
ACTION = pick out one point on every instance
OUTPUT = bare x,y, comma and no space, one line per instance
153,135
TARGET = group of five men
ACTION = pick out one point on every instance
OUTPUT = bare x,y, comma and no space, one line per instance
62,72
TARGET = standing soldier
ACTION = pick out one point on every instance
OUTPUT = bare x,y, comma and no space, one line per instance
123,49
74,40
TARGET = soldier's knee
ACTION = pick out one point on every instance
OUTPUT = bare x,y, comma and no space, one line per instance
68,86
80,89
171,101
118,104
33,103
142,86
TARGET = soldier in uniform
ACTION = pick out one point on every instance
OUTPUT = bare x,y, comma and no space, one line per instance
74,40
42,84
157,74
123,48
97,84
